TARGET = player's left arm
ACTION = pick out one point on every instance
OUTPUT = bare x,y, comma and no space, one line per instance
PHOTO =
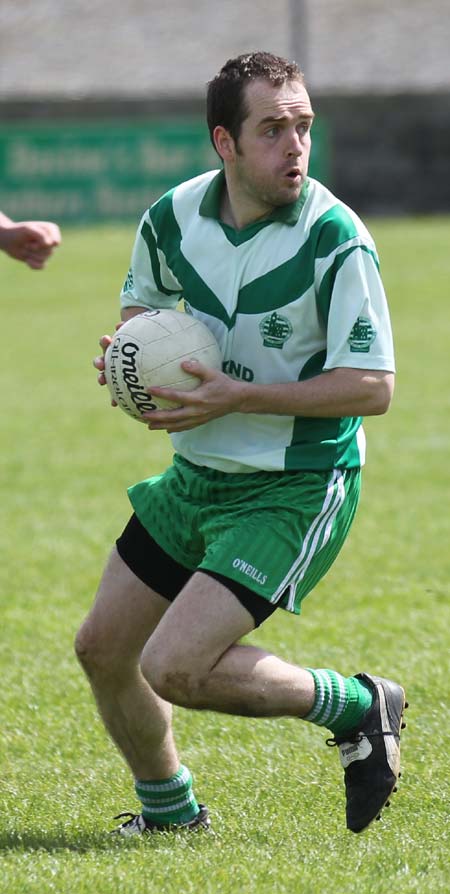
342,391
338,392
358,373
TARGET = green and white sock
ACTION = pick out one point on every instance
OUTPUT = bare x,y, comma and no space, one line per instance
168,801
340,702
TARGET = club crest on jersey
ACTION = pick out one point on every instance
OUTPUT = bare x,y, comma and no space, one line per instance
275,330
361,336
129,282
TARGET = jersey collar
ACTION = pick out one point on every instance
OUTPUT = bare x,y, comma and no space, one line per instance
287,214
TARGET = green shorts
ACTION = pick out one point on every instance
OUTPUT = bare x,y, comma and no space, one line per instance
276,533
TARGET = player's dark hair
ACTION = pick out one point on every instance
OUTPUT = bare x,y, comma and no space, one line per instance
225,99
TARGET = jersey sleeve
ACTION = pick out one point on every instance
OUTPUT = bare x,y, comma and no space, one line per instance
150,283
359,333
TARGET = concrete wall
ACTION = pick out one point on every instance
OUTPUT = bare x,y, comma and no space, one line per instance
137,48
378,72
381,46
148,48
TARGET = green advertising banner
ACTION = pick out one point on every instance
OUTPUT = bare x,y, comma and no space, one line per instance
82,172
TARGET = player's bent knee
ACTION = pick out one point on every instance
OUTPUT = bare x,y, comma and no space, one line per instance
84,645
172,681
92,652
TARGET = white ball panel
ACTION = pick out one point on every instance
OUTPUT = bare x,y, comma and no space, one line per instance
148,349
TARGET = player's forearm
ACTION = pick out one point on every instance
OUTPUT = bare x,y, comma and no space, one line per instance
339,392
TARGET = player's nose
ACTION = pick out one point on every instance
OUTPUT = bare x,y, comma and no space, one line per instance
294,145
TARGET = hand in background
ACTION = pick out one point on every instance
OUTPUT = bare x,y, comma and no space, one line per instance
29,241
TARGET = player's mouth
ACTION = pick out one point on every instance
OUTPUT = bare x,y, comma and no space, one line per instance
294,175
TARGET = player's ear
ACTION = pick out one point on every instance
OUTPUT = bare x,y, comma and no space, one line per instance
224,143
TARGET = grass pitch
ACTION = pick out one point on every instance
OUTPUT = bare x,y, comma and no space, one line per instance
274,790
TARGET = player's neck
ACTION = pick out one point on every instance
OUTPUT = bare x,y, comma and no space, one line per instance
239,210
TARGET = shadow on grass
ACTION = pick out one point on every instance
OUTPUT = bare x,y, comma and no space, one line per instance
83,842
54,841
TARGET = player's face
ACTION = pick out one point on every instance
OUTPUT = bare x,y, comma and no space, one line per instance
271,157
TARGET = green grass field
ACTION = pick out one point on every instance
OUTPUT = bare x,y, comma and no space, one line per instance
274,790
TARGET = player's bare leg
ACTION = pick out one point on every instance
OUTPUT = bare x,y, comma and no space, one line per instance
109,645
193,658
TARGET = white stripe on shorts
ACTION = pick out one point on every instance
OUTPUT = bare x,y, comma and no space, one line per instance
322,524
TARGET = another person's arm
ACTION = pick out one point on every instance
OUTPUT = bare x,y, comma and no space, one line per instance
31,241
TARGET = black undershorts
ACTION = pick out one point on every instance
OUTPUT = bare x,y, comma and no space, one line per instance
158,570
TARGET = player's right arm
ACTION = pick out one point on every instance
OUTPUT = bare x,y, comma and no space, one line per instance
149,285
99,362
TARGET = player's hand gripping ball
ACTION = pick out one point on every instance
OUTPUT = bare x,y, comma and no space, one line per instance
148,350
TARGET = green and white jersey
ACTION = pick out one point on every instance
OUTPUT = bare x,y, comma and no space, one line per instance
287,298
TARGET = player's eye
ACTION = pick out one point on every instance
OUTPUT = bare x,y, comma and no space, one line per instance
304,127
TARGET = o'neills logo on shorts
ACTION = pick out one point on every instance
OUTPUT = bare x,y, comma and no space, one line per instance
250,571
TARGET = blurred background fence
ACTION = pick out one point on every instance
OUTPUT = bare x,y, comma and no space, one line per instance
102,103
